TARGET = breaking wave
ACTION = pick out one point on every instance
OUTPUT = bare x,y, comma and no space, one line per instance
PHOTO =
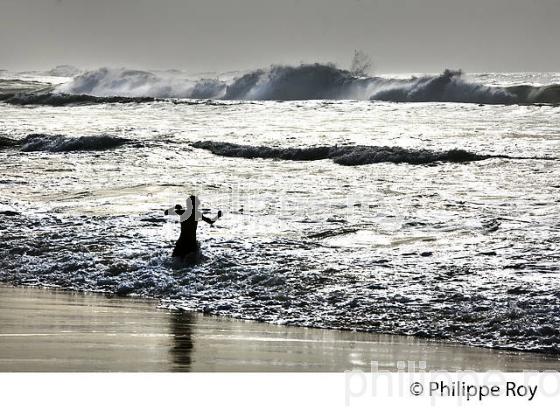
64,70
281,83
343,155
306,82
107,82
447,87
452,87
62,143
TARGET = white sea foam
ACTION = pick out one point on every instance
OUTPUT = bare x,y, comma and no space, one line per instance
107,82
306,82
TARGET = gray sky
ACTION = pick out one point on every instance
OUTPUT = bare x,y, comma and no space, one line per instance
219,35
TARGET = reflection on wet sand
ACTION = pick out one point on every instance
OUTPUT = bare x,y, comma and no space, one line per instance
46,330
181,329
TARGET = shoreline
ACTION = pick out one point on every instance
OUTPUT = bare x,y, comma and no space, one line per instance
49,330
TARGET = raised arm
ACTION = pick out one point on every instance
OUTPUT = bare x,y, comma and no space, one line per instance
176,210
210,220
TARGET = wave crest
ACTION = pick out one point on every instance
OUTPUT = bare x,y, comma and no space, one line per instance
283,83
447,87
342,155
62,143
60,100
305,82
107,82
6,142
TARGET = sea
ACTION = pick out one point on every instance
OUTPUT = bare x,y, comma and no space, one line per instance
414,204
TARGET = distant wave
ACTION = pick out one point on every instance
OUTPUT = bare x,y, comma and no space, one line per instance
304,82
283,83
58,100
307,82
107,82
343,155
62,143
12,87
452,87
447,87
6,142
61,100
64,70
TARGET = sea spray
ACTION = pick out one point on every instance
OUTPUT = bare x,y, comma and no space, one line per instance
305,82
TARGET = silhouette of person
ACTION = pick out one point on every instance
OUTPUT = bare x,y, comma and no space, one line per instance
187,245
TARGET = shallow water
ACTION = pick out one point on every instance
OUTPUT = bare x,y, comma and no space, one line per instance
44,330
466,252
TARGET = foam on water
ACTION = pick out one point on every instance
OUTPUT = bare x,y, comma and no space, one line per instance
303,284
281,83
107,82
307,82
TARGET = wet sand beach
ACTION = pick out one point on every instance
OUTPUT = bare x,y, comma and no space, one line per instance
51,331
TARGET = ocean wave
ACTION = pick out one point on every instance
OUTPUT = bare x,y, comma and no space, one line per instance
451,86
447,87
107,82
59,100
62,143
306,82
6,142
343,155
280,83
62,100
64,70
12,87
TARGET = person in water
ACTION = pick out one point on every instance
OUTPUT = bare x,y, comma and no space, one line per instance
187,244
